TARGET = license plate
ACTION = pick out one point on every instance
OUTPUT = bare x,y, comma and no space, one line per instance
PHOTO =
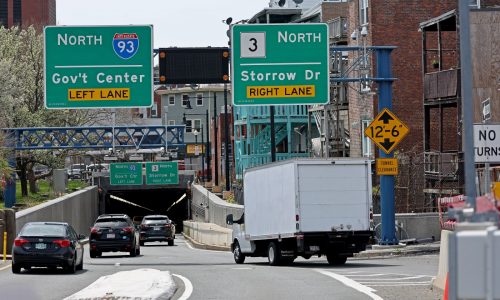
157,228
110,236
314,248
41,246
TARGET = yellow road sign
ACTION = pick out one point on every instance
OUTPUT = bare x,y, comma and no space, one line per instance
386,131
387,166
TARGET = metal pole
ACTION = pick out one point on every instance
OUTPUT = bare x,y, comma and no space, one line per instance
273,141
165,108
113,118
216,159
227,141
203,155
386,181
467,105
207,149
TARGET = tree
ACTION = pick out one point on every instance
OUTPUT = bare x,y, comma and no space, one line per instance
22,97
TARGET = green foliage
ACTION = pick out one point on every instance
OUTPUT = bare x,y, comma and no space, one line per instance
45,192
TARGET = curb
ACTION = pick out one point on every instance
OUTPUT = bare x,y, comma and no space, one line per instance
399,251
198,245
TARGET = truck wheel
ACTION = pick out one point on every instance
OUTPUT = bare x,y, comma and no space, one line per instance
239,257
273,254
336,260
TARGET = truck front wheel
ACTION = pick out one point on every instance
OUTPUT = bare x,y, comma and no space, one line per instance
239,257
335,259
273,254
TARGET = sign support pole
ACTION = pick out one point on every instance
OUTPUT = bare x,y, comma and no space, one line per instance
387,204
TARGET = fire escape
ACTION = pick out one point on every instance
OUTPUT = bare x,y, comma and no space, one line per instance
443,156
332,119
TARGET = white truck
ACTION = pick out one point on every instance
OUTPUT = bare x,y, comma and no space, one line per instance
304,207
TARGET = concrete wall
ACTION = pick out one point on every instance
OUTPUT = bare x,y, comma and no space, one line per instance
208,234
80,209
209,208
418,226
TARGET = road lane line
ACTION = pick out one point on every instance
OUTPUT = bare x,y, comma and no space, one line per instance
403,284
352,284
188,287
5,268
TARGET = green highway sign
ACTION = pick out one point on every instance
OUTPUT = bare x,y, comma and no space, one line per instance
98,66
277,64
125,173
162,173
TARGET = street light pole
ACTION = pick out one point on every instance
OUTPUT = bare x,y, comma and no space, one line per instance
226,138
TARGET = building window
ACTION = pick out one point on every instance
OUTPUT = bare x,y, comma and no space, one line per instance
171,122
185,100
475,3
363,12
154,110
199,99
171,100
189,125
366,142
17,20
4,13
197,124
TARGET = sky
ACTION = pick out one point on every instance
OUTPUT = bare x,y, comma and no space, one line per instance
180,23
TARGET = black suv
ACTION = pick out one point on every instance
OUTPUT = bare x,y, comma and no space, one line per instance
114,232
157,228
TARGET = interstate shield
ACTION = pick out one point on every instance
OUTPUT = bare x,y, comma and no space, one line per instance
125,44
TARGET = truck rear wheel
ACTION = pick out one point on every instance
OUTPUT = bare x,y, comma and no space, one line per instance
335,259
273,254
239,257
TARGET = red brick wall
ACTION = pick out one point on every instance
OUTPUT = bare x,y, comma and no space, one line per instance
396,22
38,12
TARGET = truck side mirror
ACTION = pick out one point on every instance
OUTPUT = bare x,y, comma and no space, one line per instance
229,219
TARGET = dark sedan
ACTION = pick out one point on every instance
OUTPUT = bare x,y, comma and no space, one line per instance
47,244
157,228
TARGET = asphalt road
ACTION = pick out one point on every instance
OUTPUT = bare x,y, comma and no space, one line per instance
204,274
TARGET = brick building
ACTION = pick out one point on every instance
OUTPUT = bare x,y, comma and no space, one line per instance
27,12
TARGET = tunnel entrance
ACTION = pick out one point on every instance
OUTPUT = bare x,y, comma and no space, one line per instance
172,202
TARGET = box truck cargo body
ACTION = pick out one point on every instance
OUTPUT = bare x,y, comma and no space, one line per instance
305,207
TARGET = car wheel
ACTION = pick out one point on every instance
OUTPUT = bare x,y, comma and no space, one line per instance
71,267
239,257
80,265
138,251
273,254
170,242
133,252
16,269
336,260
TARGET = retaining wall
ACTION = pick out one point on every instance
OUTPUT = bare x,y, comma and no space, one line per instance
418,226
208,234
80,209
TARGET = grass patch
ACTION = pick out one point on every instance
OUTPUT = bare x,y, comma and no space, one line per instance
45,192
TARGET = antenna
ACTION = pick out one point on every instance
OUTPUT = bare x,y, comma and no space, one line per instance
281,3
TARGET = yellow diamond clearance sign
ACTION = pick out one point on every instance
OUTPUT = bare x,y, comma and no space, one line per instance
386,131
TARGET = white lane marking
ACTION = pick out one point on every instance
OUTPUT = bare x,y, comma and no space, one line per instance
352,284
367,275
399,278
188,287
6,267
402,284
242,268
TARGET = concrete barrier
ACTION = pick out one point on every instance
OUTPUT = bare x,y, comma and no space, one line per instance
79,209
212,208
418,226
440,280
208,234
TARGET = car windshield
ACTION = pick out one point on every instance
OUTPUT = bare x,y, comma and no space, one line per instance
43,230
111,223
156,220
